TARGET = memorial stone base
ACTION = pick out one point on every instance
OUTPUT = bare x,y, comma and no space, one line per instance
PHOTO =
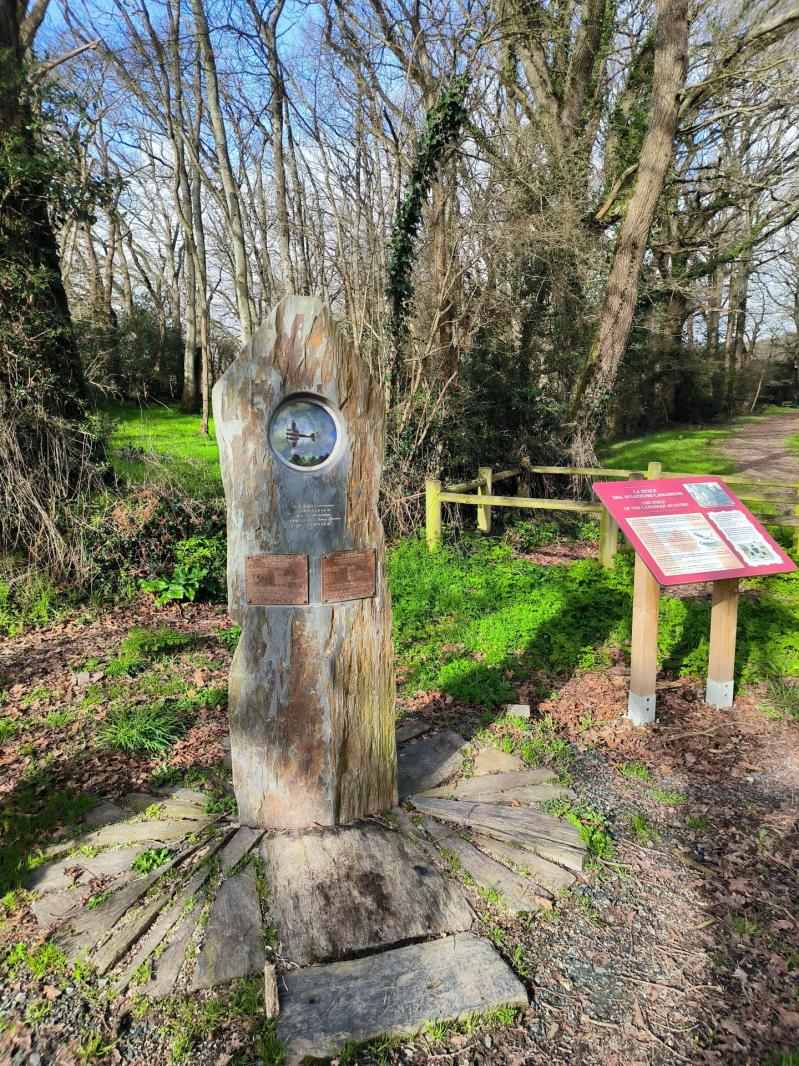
371,927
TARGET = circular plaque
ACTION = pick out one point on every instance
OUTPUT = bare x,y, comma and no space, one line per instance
304,433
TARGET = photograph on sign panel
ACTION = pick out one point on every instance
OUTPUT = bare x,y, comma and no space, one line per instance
709,494
745,537
684,544
303,433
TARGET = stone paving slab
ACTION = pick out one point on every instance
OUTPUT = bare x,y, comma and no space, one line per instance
189,795
519,895
528,796
170,917
334,893
429,762
162,830
90,927
105,814
395,992
551,877
408,730
468,787
242,841
232,947
52,907
168,966
494,761
553,838
83,868
136,802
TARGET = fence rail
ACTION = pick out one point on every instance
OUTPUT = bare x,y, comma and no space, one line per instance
759,496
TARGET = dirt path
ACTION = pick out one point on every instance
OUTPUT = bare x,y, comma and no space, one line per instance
762,451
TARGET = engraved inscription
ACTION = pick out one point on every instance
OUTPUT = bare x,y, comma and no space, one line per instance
314,516
350,575
276,579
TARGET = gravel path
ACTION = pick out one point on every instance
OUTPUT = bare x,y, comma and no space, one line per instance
762,451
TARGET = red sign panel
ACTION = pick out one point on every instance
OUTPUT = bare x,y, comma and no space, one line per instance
692,529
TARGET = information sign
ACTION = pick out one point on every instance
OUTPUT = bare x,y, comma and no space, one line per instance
692,529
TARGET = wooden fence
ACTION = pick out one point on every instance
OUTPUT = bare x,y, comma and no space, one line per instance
775,503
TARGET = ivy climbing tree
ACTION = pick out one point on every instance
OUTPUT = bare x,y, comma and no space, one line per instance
442,128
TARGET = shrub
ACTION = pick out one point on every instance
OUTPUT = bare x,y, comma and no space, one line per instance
199,569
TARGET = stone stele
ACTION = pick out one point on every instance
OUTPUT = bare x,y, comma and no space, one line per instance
300,424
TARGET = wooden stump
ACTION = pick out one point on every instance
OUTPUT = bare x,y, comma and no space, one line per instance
300,425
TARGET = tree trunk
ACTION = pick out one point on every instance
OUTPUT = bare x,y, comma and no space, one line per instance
190,395
268,32
594,390
41,356
235,228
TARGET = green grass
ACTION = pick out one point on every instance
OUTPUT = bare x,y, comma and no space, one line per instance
687,449
153,437
472,620
147,729
642,829
637,770
671,799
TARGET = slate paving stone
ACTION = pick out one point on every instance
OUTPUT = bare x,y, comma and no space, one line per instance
91,926
167,967
551,877
189,795
518,894
242,841
334,893
518,710
162,830
105,814
493,761
530,795
429,762
395,992
160,929
551,837
408,730
136,802
82,868
232,947
468,787
52,907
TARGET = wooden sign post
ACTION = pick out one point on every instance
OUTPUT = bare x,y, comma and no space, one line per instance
644,645
300,424
723,632
687,530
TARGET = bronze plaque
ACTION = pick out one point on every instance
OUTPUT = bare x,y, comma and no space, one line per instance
276,579
350,575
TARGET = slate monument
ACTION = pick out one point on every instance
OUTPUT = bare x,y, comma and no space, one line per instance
300,424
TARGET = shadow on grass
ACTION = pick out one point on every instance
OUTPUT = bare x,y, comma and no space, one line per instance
475,623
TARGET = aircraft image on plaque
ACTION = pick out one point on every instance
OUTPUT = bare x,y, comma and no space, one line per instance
708,494
303,433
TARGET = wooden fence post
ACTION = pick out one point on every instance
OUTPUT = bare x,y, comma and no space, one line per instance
654,470
644,646
484,512
723,626
608,538
432,511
